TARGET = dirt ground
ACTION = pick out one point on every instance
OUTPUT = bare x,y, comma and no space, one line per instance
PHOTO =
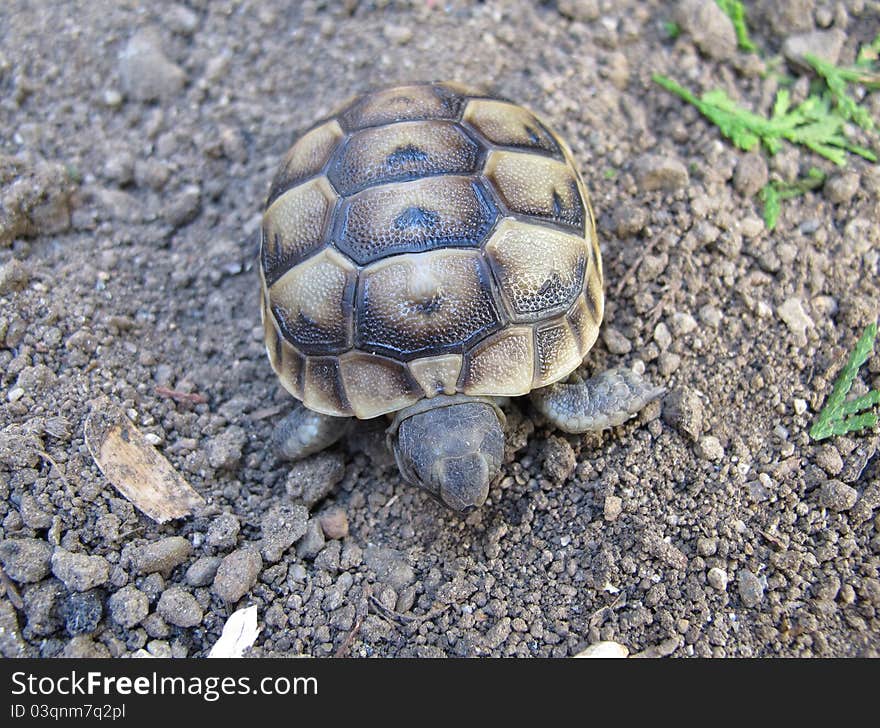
138,145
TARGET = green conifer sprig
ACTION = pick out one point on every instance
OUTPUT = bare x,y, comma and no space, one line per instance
840,416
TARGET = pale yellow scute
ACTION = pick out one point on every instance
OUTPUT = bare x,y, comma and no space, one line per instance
500,366
437,374
375,385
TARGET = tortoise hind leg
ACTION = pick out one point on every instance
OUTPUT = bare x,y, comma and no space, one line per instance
606,400
304,432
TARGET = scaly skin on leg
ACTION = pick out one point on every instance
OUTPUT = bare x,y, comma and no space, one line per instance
607,400
304,432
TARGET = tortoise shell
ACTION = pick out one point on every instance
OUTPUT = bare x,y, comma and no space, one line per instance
424,240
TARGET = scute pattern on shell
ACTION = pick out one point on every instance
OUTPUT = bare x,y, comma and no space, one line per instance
427,239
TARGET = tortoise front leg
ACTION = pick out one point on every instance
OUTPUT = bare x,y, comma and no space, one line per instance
304,432
607,400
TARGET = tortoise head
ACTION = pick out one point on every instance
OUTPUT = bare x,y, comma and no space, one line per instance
452,447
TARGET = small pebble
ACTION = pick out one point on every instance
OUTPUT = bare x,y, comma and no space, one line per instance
25,560
203,570
180,608
841,188
709,448
129,606
14,276
662,336
162,555
281,527
237,574
717,579
312,542
655,172
683,410
837,496
828,458
224,451
710,28
334,523
83,612
223,532
613,507
824,44
79,572
146,72
751,174
311,480
751,591
584,10
559,459
792,313
683,323
615,341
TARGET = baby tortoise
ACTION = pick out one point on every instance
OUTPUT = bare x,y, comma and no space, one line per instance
427,251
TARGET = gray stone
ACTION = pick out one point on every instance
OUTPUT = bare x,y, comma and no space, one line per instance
683,410
712,31
656,172
312,542
183,208
391,566
180,608
311,480
560,460
163,555
334,523
79,572
281,527
43,606
717,578
129,606
842,187
751,174
583,10
145,71
824,44
709,448
628,220
615,342
83,612
14,276
181,20
784,18
223,531
203,571
224,450
613,507
25,560
751,591
837,496
828,458
237,574
792,313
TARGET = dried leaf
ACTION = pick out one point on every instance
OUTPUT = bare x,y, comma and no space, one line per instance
135,468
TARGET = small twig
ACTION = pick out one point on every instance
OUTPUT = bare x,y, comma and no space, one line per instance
48,458
191,397
346,643
262,414
391,500
630,274
11,591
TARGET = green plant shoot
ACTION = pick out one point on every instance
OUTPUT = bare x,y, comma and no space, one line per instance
734,10
812,124
774,192
840,416
837,78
